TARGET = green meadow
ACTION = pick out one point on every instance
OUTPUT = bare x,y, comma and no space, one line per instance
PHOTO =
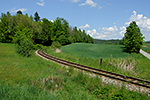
34,78
95,50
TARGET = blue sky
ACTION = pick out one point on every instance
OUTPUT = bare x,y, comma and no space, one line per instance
102,19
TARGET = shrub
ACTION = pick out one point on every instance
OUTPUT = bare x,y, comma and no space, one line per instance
25,48
23,42
38,46
56,45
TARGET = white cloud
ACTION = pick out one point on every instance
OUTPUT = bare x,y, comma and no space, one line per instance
21,9
109,30
101,36
75,0
89,2
108,3
41,3
123,30
52,21
142,21
93,33
100,7
86,26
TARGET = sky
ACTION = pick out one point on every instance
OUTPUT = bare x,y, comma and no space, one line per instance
101,19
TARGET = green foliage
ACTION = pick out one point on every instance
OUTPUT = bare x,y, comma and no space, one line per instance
38,46
23,42
5,35
112,41
43,32
36,17
56,45
19,12
60,31
25,48
133,39
80,36
45,36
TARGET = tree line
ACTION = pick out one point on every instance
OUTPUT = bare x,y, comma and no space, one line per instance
31,30
112,41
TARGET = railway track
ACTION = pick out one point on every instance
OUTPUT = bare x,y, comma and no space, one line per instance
132,80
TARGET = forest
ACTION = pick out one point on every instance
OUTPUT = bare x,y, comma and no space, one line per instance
29,32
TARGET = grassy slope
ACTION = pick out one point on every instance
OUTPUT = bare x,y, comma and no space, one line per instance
22,78
147,49
18,74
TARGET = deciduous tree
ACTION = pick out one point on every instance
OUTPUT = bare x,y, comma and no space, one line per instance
133,39
19,12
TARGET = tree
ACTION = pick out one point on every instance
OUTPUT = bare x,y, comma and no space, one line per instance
47,29
23,42
133,39
19,12
36,17
58,30
31,18
4,30
36,32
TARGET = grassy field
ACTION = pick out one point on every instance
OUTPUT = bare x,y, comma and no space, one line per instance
95,51
146,47
135,65
35,78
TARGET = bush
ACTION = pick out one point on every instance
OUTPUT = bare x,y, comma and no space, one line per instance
38,46
23,42
56,45
25,48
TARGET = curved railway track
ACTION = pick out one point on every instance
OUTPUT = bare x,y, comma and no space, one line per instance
132,80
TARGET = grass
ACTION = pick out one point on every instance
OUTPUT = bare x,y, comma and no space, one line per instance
18,76
135,65
95,51
35,78
147,48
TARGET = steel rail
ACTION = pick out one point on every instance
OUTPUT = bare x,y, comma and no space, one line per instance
132,80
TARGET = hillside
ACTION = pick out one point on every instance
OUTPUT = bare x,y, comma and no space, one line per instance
35,78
